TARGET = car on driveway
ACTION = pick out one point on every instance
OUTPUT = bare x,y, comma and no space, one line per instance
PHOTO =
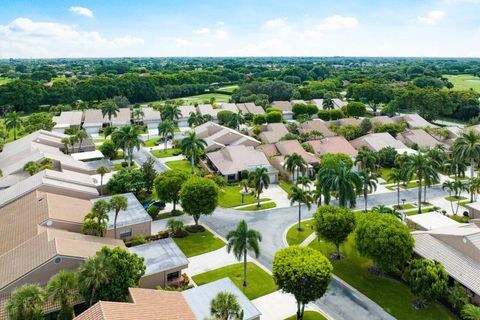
157,203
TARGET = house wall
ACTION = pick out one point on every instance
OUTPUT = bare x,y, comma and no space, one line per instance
158,279
64,225
144,228
69,193
457,242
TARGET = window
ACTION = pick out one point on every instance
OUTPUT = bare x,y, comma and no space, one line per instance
126,233
173,276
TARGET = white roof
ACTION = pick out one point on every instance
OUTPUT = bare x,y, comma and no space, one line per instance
432,220
68,118
97,154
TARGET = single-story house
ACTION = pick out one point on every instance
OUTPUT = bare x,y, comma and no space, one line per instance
232,160
473,209
418,137
430,221
185,114
151,118
285,107
66,120
378,141
344,122
382,120
93,121
229,106
122,118
250,107
333,145
317,125
414,121
272,132
217,136
337,103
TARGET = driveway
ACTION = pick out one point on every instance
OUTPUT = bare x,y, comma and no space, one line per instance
141,155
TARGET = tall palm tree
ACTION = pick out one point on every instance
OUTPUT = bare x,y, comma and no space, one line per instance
96,221
116,204
171,112
109,130
295,163
455,187
369,183
102,170
301,197
455,167
195,119
342,180
109,109
81,136
367,159
191,146
327,103
62,289
420,166
26,302
138,115
66,143
93,274
474,187
260,179
73,141
467,147
396,176
127,138
225,306
240,241
236,120
166,130
13,120
304,181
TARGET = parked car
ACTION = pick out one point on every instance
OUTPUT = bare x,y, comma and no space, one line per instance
158,203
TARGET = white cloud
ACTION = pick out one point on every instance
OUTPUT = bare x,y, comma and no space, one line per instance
202,31
183,43
432,17
218,32
81,11
337,22
276,23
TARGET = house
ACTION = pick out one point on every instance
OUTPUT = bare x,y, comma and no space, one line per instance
273,132
217,136
232,107
285,107
337,103
316,125
429,221
151,118
473,209
250,107
185,114
232,160
332,145
344,122
208,110
122,118
414,121
378,141
191,304
382,120
93,121
418,137
457,248
164,262
131,222
66,120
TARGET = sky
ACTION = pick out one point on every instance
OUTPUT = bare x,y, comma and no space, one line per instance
164,28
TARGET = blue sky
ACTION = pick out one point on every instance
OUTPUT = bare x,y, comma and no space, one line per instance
109,28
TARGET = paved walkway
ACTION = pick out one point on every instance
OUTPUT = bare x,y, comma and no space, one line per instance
210,261
141,155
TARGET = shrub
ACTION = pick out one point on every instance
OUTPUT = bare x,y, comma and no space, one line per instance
336,114
299,108
153,211
259,119
458,296
224,116
108,149
324,115
311,109
274,117
272,109
355,109
220,181
137,240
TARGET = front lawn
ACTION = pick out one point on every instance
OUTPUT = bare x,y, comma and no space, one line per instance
259,282
198,243
295,237
230,196
309,315
286,186
183,165
118,166
392,295
455,199
263,206
170,153
412,212
406,206
151,142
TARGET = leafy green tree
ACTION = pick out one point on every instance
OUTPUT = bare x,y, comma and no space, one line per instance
467,147
335,160
274,117
385,240
126,180
240,241
225,306
334,225
295,163
427,279
166,130
371,93
26,303
367,159
301,197
96,221
195,119
13,120
108,275
128,138
168,185
149,173
259,119
102,171
260,179
369,183
342,180
354,109
117,203
62,288
199,196
81,136
109,109
108,149
191,146
303,272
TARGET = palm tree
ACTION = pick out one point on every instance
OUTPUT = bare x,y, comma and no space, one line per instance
81,135
26,302
470,312
455,187
474,187
138,115
102,170
260,179
367,159
66,143
116,204
109,108
342,180
298,195
108,131
62,289
93,274
384,209
73,141
166,130
455,167
304,181
13,120
195,119
191,146
396,176
327,102
369,183
171,112
420,166
240,241
33,167
96,221
225,306
295,163
236,120
467,147
127,138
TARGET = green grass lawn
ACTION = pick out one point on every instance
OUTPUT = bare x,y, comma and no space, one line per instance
406,206
464,82
286,185
392,295
198,243
170,153
181,165
454,199
309,315
230,196
263,206
412,212
259,282
118,166
228,88
151,142
5,80
384,172
294,237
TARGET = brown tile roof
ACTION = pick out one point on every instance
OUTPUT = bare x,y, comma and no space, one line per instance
333,145
282,105
273,132
317,125
233,159
293,146
419,137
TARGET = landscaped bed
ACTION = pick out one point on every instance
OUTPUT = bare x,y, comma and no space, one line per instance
295,237
259,282
455,199
309,315
263,206
392,295
230,196
170,153
198,243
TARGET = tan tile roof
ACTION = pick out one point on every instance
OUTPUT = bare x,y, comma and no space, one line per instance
68,118
293,146
377,141
217,136
146,304
382,120
233,159
317,125
273,132
419,137
64,208
282,105
185,110
253,108
333,145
